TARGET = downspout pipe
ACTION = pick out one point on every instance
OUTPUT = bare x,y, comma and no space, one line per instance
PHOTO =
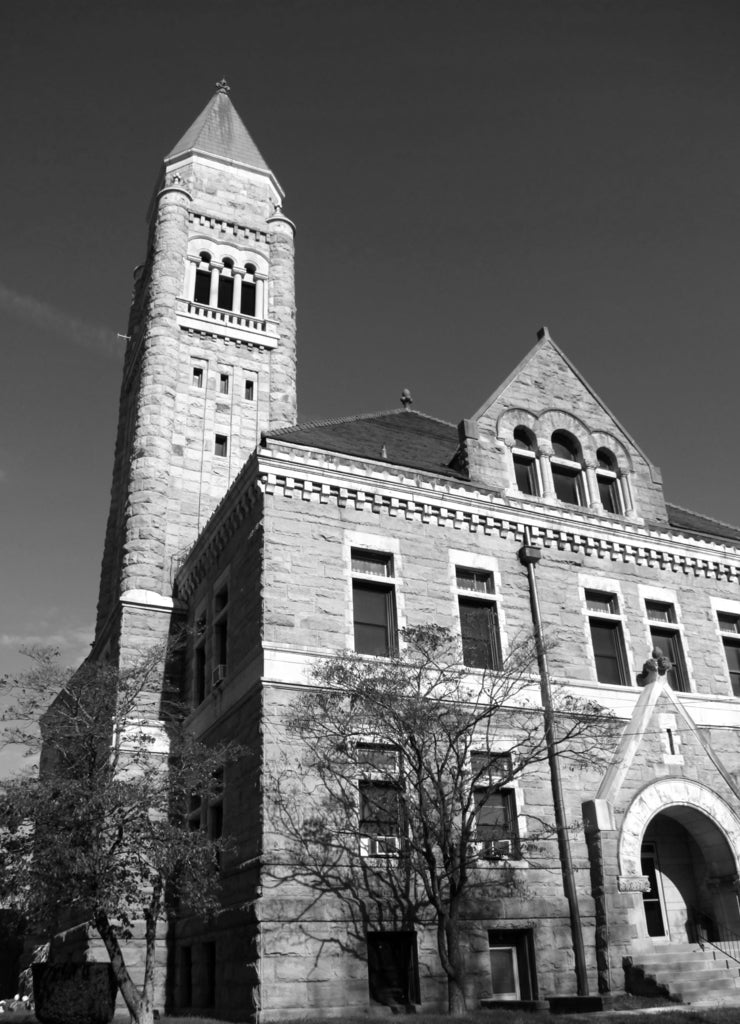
529,555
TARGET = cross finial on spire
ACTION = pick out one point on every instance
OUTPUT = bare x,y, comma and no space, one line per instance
406,398
223,86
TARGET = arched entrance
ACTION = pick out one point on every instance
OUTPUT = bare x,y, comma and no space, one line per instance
692,874
676,847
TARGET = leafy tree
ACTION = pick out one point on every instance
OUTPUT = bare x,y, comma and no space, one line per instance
412,751
99,835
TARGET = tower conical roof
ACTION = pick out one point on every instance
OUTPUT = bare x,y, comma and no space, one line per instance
218,131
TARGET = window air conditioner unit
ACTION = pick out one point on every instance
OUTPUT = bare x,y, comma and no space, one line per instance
379,846
218,675
495,849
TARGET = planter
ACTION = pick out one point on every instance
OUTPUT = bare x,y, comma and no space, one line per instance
81,993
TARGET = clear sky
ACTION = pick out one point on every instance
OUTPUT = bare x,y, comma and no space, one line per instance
461,172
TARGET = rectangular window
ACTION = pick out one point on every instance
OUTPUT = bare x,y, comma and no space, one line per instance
666,635
730,628
197,382
249,390
609,492
525,470
194,813
373,602
607,638
495,806
380,800
478,611
209,974
220,635
223,383
222,445
186,976
512,964
567,479
200,688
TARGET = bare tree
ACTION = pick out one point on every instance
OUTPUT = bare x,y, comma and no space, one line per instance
98,836
401,790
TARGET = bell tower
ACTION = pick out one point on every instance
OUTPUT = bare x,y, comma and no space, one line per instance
210,363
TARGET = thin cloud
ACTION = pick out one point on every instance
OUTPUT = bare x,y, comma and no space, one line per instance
50,318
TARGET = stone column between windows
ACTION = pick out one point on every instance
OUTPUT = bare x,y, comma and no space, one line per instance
548,484
236,304
592,487
626,487
260,284
190,269
215,274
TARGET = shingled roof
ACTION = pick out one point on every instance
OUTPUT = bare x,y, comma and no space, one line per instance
401,437
218,131
418,441
685,521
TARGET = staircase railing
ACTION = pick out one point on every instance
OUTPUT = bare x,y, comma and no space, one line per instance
708,932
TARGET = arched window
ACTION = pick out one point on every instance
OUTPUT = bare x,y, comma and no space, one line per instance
525,461
226,285
567,468
607,476
249,291
202,291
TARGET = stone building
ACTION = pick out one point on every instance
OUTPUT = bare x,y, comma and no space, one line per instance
280,543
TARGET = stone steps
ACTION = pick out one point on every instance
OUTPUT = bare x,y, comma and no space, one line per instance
688,973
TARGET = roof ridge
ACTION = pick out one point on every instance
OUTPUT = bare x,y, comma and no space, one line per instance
710,519
335,420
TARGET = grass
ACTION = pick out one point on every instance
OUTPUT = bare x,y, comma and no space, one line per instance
631,1010
663,1013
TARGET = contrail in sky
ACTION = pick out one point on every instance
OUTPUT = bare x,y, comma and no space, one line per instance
56,321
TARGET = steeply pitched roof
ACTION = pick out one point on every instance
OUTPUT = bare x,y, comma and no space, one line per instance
400,437
218,131
685,521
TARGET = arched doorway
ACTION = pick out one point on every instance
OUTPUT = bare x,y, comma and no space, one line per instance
676,848
692,874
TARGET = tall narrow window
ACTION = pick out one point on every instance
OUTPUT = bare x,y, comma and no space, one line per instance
495,805
525,461
478,610
567,470
209,974
373,602
199,662
221,446
380,803
220,635
249,390
226,285
202,293
729,625
608,481
666,635
197,380
607,638
223,383
249,291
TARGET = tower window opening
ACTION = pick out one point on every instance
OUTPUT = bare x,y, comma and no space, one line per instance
249,291
249,390
202,291
197,377
223,383
222,445
225,292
